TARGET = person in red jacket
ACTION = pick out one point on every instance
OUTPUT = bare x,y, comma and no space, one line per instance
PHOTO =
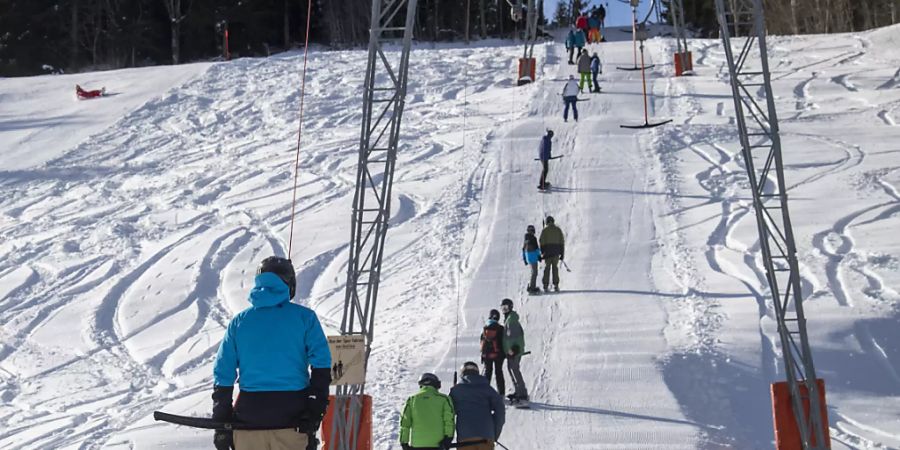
81,93
582,23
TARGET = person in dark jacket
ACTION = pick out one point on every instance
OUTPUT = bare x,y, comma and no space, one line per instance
514,346
492,354
273,344
480,412
553,250
596,68
531,254
545,154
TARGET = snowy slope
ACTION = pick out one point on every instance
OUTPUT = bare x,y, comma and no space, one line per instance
124,255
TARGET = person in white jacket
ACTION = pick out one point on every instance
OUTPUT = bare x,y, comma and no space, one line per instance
570,97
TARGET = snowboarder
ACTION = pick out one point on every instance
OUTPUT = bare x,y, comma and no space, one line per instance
570,98
584,69
553,250
84,94
272,344
514,346
531,254
570,44
427,421
545,154
492,354
480,412
596,68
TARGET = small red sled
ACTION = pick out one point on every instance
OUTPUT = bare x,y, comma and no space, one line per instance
85,95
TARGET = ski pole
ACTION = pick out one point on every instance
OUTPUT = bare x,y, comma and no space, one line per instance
566,266
498,443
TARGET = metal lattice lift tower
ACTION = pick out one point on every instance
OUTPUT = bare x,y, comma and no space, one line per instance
757,123
384,97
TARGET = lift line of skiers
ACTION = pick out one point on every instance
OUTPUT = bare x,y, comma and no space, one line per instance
281,354
284,390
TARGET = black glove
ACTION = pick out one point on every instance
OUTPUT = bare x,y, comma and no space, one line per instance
317,394
223,411
405,447
562,257
541,258
445,443
223,440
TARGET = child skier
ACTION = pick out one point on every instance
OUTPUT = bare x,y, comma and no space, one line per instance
492,354
531,254
596,68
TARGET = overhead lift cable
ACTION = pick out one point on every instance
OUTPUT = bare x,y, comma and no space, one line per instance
300,127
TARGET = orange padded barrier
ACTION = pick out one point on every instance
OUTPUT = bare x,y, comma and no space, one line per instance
526,70
787,435
365,424
679,71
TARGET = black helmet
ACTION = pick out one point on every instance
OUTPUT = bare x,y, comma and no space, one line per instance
494,315
530,229
430,379
507,302
550,220
469,368
281,267
550,133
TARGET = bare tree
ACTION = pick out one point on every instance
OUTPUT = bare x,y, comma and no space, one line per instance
176,16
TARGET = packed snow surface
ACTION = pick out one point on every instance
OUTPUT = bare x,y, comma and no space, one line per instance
132,225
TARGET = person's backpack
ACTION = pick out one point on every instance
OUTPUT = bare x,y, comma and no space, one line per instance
490,344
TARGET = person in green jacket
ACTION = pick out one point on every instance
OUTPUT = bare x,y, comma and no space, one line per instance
428,417
553,250
514,346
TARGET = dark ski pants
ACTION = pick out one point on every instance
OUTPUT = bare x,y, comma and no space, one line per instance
489,445
283,439
512,363
534,271
571,51
570,101
551,263
596,84
489,367
546,168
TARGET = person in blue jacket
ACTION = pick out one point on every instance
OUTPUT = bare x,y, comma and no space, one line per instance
570,45
531,254
272,345
579,40
480,412
545,154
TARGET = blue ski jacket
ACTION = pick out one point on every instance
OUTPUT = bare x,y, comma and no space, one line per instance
480,412
545,151
273,343
570,39
579,39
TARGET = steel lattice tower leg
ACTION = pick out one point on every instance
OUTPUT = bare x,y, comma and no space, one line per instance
761,148
384,98
676,13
